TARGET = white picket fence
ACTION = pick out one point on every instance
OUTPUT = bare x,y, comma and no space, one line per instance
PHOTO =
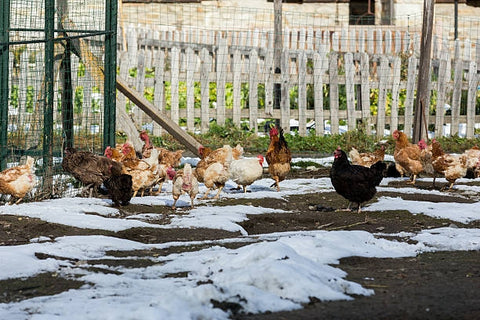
364,61
234,62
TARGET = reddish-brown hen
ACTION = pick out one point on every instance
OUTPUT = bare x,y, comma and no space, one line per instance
278,157
407,156
18,181
453,167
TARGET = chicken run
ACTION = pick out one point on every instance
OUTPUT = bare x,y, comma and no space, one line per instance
123,172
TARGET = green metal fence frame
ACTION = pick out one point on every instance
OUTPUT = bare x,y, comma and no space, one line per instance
4,74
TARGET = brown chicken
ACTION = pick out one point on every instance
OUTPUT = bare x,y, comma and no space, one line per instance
113,153
278,157
183,182
366,159
145,172
426,158
166,157
217,173
219,155
453,167
472,155
90,169
18,181
407,156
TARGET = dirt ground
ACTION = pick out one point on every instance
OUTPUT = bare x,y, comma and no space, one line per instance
442,285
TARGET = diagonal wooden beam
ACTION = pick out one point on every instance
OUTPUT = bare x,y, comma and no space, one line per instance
159,117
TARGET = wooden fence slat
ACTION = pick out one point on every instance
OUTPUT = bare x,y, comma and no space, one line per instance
350,90
409,99
471,99
443,77
319,69
382,95
221,64
191,67
302,93
237,87
395,93
269,81
206,66
253,90
365,90
285,95
457,89
334,103
159,88
174,84
140,81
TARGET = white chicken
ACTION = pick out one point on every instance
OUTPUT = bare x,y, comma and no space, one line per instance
244,172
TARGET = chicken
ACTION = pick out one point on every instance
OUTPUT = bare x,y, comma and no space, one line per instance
18,181
476,171
367,159
278,157
426,159
451,166
120,189
407,156
183,182
145,172
355,183
90,169
218,155
244,172
472,155
166,157
113,153
217,173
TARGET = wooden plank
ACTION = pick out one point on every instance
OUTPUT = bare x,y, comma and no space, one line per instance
285,93
253,90
334,103
191,67
140,82
388,42
319,69
174,84
365,90
172,127
159,88
471,99
221,64
379,41
302,94
457,89
443,78
350,90
382,95
409,99
395,93
344,40
206,66
237,87
370,41
269,84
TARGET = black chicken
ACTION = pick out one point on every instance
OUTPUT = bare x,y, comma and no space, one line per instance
355,183
90,169
120,189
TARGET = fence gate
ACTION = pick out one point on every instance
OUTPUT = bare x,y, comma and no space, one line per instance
57,82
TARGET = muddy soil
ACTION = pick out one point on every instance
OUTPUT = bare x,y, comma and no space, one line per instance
442,285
